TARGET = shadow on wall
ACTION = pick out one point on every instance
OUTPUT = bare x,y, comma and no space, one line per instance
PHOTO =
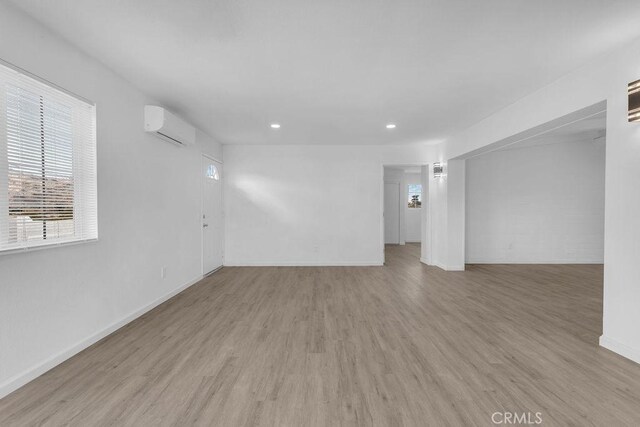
270,196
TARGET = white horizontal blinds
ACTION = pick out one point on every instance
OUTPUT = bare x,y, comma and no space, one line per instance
47,164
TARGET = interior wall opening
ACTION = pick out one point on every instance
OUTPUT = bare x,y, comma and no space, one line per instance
540,202
404,211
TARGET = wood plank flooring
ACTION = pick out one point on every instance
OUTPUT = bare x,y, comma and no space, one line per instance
403,344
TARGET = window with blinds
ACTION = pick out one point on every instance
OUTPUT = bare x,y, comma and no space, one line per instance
47,164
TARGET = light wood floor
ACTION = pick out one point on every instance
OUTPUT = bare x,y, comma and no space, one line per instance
403,344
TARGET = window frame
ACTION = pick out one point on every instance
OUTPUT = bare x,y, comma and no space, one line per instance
413,192
78,164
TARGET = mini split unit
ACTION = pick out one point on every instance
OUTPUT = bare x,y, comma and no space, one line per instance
167,126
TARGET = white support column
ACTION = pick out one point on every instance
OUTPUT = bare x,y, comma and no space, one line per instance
455,236
446,234
425,218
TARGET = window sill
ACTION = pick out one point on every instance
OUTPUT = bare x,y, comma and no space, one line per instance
29,249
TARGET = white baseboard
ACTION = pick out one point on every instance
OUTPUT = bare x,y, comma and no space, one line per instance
304,264
528,262
622,349
424,261
30,374
448,267
440,265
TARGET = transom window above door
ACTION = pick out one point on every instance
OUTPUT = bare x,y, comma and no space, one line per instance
212,172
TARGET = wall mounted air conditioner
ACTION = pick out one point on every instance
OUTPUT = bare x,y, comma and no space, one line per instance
167,126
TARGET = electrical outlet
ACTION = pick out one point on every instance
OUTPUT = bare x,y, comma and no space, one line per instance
163,272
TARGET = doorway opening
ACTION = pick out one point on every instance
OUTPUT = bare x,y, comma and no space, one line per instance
535,206
405,212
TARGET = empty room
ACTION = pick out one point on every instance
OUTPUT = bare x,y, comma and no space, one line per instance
319,213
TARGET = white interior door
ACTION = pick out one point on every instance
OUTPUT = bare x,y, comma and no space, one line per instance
212,215
392,212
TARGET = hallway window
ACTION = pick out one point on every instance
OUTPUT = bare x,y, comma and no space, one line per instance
415,195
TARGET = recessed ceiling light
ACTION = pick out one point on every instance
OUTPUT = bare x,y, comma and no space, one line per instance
391,126
275,125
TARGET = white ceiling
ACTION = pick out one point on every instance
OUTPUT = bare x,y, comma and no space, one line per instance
335,72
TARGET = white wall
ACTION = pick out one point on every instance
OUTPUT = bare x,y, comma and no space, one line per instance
413,229
541,204
54,302
605,79
307,205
